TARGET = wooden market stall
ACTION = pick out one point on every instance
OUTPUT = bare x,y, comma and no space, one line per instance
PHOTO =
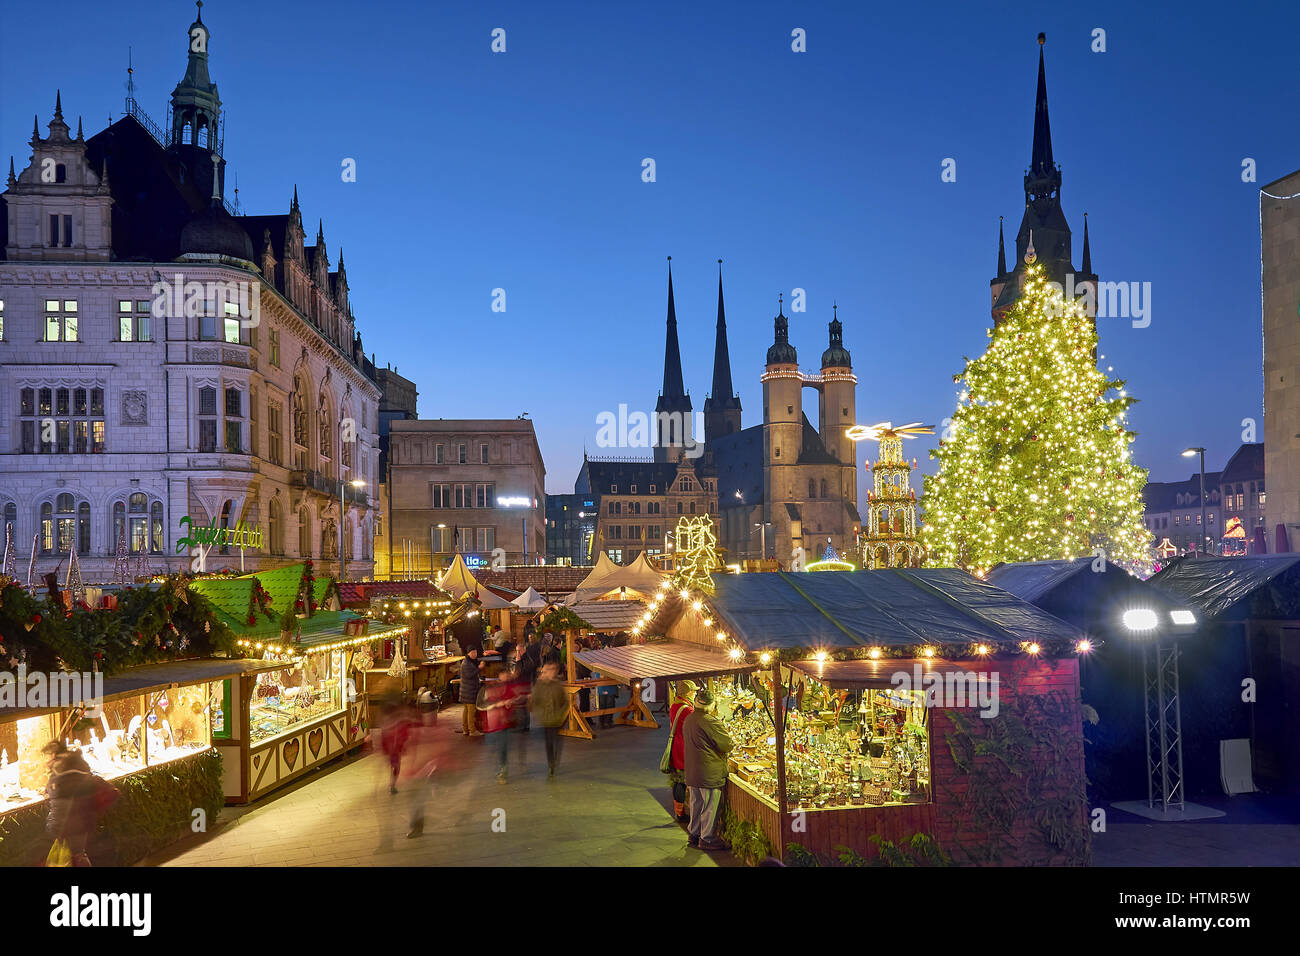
304,702
918,713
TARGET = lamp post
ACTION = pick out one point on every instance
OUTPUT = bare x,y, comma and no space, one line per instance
762,537
1188,453
355,483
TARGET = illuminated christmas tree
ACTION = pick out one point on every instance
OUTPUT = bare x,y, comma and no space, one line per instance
1036,463
122,565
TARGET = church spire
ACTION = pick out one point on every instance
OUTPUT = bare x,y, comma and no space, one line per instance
196,106
1002,250
673,389
1040,163
1087,251
722,390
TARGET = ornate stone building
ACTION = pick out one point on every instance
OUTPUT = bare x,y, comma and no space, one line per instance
167,363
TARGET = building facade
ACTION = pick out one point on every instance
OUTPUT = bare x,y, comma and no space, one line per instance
168,365
1279,221
638,503
474,486
1173,512
1243,500
570,529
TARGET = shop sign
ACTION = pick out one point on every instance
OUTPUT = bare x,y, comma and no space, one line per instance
201,536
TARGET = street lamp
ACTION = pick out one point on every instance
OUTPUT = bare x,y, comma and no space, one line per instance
762,536
355,483
1188,453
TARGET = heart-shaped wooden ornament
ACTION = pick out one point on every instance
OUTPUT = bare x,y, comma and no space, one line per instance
257,761
314,741
290,752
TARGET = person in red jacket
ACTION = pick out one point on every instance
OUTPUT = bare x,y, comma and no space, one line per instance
677,714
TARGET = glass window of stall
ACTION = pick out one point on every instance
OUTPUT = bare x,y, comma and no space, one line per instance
843,748
305,689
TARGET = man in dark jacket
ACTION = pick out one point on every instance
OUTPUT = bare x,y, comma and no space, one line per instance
707,745
74,803
470,681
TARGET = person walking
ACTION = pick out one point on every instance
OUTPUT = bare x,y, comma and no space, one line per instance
706,745
395,733
497,703
471,681
550,703
77,799
682,708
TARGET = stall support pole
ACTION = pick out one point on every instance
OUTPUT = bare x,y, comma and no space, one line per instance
778,721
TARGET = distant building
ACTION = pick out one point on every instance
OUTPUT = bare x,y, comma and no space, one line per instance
470,485
1173,512
570,529
1241,493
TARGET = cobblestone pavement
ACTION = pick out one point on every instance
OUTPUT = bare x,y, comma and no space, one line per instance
608,806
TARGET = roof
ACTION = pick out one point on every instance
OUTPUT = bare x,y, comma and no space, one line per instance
867,674
666,660
1230,587
1031,580
137,680
1246,464
637,577
610,616
1163,495
529,599
889,608
738,459
231,597
458,581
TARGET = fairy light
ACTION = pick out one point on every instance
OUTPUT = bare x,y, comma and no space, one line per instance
1037,463
1032,648
874,653
927,652
736,653
821,656
1084,646
722,635
765,658
982,650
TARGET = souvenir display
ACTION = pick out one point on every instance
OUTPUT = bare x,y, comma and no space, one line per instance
118,738
305,689
842,749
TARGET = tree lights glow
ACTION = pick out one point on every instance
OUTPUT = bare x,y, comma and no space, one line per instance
1036,464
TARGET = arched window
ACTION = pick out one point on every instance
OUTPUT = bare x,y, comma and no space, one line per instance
812,488
158,532
823,487
11,521
63,521
304,534
275,529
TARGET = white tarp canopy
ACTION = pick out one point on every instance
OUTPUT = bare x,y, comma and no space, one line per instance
529,600
638,580
457,581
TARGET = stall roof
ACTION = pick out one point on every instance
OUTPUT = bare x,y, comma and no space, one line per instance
892,608
137,680
610,616
872,675
1215,587
458,581
1033,579
608,577
668,660
529,600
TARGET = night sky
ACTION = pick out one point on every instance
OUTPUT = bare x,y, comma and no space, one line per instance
817,170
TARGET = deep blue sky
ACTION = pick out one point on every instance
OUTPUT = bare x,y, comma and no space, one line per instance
818,170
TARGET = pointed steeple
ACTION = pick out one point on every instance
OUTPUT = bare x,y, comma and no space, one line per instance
80,136
12,179
36,129
196,105
836,355
673,388
293,207
58,105
1087,251
722,389
1040,163
1002,251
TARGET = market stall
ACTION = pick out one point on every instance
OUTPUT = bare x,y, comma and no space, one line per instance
881,701
303,703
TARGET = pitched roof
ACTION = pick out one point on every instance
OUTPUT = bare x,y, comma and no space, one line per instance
888,608
1226,588
1246,464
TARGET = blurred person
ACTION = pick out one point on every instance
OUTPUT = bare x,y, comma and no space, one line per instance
77,799
706,744
423,759
550,703
471,682
550,653
498,703
524,671
395,731
682,708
